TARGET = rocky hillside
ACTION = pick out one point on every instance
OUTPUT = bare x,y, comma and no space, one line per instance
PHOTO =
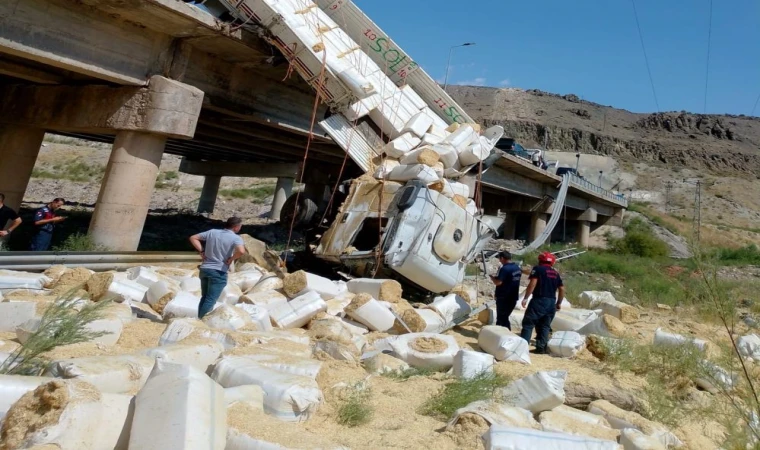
722,144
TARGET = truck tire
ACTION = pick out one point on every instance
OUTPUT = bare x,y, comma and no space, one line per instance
303,208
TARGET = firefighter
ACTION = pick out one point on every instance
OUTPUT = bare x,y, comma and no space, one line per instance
507,283
548,292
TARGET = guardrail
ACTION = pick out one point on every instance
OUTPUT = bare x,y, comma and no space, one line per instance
39,261
585,184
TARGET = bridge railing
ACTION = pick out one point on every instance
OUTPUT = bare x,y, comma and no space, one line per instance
585,184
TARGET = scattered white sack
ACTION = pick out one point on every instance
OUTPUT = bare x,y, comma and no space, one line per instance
12,279
537,393
671,339
142,275
451,307
433,322
716,378
605,326
470,364
297,312
13,314
227,317
267,283
246,280
251,394
121,374
79,412
379,289
503,344
299,283
500,437
288,397
633,439
115,423
462,137
259,316
159,292
564,419
230,294
179,408
183,305
336,306
495,413
401,145
426,350
379,363
179,329
267,299
621,419
749,346
608,304
418,125
566,344
12,387
201,355
421,172
281,362
372,314
192,284
473,154
448,155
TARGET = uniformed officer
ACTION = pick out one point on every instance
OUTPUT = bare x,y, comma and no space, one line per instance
507,283
545,284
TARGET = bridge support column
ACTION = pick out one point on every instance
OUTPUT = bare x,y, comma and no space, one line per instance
125,192
584,230
19,147
209,193
281,193
537,225
510,224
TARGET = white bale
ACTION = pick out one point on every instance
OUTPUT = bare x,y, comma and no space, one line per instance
662,337
259,316
430,139
281,362
121,311
537,393
313,283
227,317
451,307
582,315
621,419
470,364
564,419
410,94
267,283
633,439
115,423
111,327
12,279
471,207
374,315
247,279
379,363
179,408
230,294
241,441
12,387
336,306
749,346
198,355
515,320
14,314
179,329
359,109
566,344
250,394
418,125
291,398
404,347
267,299
385,168
503,344
192,284
159,290
473,154
183,305
606,302
142,275
298,312
462,137
421,172
594,299
401,145
434,323
501,437
448,155
377,288
601,327
355,327
495,413
357,83
121,374
716,378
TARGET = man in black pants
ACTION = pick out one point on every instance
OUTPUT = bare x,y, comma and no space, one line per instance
545,283
507,283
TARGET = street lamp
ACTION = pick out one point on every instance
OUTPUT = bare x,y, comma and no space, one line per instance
448,65
577,162
600,177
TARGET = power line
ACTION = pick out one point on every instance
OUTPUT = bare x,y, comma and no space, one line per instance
707,64
646,58
755,107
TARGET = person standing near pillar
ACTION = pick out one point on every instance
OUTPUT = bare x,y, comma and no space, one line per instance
44,222
545,284
8,217
221,248
507,292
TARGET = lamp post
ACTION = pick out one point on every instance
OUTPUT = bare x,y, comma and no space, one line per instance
448,65
600,177
577,162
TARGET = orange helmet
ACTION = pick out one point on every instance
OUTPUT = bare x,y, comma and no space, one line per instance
547,258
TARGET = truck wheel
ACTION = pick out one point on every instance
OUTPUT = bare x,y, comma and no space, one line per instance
303,208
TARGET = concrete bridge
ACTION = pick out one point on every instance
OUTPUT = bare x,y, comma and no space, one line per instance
155,76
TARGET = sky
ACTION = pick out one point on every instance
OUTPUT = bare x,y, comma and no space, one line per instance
590,48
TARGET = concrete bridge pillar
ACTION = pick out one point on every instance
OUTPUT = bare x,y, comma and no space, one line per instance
537,225
584,231
19,147
281,193
209,193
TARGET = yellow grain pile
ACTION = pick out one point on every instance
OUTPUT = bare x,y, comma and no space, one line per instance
428,345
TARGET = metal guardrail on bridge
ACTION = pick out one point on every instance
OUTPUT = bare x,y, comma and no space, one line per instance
39,261
598,190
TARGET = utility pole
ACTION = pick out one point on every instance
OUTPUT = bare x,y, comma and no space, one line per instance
698,210
668,188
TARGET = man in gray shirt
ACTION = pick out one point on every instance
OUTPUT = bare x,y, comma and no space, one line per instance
222,247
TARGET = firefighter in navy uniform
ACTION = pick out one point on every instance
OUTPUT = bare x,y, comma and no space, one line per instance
507,293
548,292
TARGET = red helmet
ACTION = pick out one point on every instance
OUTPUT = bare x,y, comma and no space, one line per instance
547,258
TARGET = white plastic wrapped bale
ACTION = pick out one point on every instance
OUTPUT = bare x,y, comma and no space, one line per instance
250,394
359,109
160,293
355,327
12,387
12,279
267,283
566,344
192,284
13,314
426,350
462,137
621,419
500,437
716,379
230,294
298,283
473,154
288,397
179,329
401,145
495,413
336,330
73,409
470,364
227,317
662,337
384,168
421,172
142,275
593,299
418,125
633,439
200,355
451,188
246,280
503,344
448,155
606,302
368,311
180,407
749,346
379,363
336,306
116,286
537,393
110,327
605,325
267,299
451,307
259,315
116,422
279,361
121,374
183,305
421,320
564,419
297,312
388,290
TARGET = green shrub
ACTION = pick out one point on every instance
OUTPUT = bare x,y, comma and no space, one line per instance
79,242
749,255
76,170
257,193
639,240
462,392
354,406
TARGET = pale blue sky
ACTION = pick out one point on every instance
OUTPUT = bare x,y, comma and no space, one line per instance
590,48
